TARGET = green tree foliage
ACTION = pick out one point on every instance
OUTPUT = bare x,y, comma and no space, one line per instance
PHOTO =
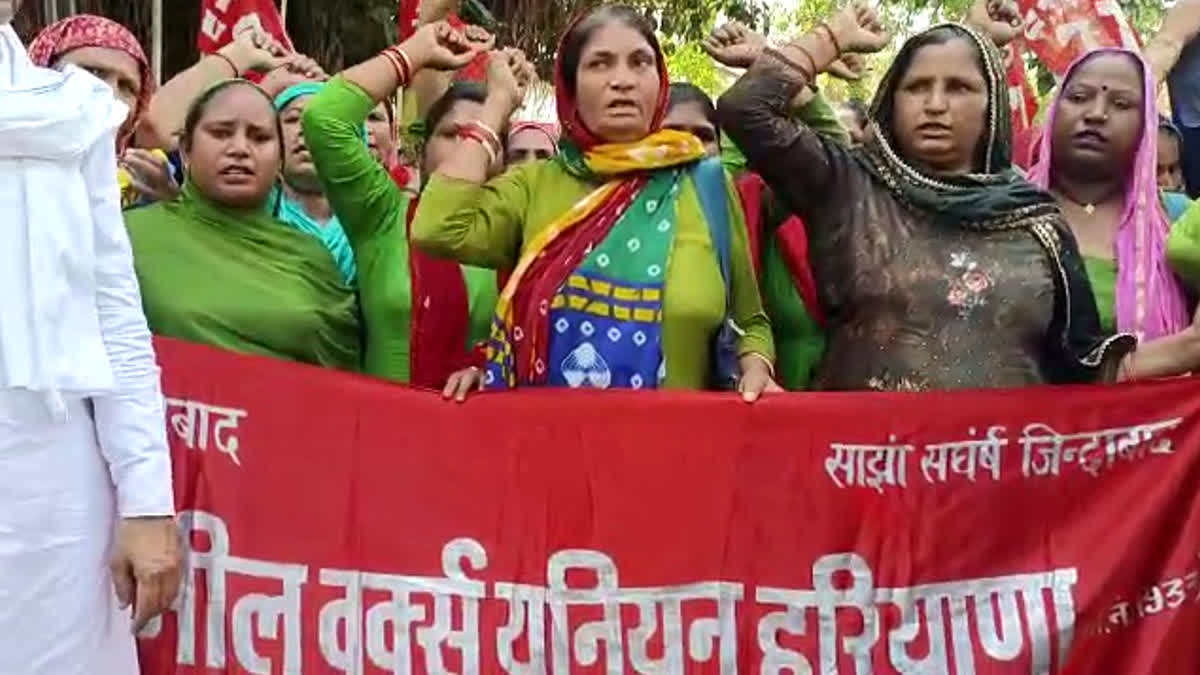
342,32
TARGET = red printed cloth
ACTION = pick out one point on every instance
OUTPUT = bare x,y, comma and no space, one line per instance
1060,31
221,21
343,525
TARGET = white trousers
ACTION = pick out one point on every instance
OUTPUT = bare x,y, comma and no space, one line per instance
58,610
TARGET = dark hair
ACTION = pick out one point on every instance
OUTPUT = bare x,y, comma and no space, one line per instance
579,35
200,106
686,92
458,91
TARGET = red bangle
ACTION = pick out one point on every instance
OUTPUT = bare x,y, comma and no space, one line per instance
399,65
471,133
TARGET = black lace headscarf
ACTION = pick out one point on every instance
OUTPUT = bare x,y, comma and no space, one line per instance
994,195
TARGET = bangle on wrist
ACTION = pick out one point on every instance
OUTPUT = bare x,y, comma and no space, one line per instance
483,135
832,38
232,66
809,73
764,360
401,65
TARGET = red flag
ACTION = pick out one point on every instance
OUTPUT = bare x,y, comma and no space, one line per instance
407,17
221,21
1060,31
1023,102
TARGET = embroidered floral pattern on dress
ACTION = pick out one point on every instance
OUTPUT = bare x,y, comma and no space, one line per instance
968,283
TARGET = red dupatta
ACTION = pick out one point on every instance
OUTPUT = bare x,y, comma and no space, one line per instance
440,317
520,335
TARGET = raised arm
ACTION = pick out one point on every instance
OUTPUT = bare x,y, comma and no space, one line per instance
756,112
462,217
251,51
361,192
1180,27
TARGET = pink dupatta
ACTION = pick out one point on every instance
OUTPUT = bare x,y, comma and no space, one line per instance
1150,301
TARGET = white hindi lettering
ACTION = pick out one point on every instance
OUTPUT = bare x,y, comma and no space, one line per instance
396,617
707,638
1023,616
1046,451
966,458
269,610
869,466
191,423
1001,640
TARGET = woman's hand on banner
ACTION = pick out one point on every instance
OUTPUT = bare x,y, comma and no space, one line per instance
460,384
757,378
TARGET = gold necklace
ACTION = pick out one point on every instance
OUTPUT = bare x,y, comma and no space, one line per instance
1088,207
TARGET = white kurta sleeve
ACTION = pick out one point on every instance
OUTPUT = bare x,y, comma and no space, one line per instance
130,422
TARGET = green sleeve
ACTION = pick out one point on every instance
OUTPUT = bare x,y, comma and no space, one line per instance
820,116
479,225
747,310
817,115
362,194
1183,246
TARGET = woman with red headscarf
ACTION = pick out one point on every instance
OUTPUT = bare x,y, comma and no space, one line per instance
630,262
107,50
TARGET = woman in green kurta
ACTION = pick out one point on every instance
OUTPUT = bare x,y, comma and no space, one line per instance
216,268
629,256
1098,159
422,315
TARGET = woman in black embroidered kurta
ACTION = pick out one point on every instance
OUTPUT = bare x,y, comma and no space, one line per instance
932,276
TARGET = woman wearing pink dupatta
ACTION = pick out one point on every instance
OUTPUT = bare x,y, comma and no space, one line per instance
1097,157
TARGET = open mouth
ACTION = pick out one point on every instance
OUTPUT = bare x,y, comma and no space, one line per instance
622,106
237,170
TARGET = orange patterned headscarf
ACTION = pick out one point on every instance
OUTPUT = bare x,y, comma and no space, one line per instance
87,30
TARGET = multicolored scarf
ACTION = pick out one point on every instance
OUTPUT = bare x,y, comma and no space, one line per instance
583,306
1150,301
87,30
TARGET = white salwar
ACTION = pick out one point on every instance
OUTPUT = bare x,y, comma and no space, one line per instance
82,435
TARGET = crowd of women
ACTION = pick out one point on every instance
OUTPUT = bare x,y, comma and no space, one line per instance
770,241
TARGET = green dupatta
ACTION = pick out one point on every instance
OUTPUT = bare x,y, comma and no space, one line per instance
243,281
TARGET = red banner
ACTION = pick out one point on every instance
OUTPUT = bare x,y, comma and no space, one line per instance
1060,31
343,525
221,21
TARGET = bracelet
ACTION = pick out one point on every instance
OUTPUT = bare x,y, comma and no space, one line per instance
770,365
472,133
832,37
792,64
229,61
489,133
399,66
408,64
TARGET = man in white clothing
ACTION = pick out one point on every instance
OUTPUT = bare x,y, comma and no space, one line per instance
86,505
